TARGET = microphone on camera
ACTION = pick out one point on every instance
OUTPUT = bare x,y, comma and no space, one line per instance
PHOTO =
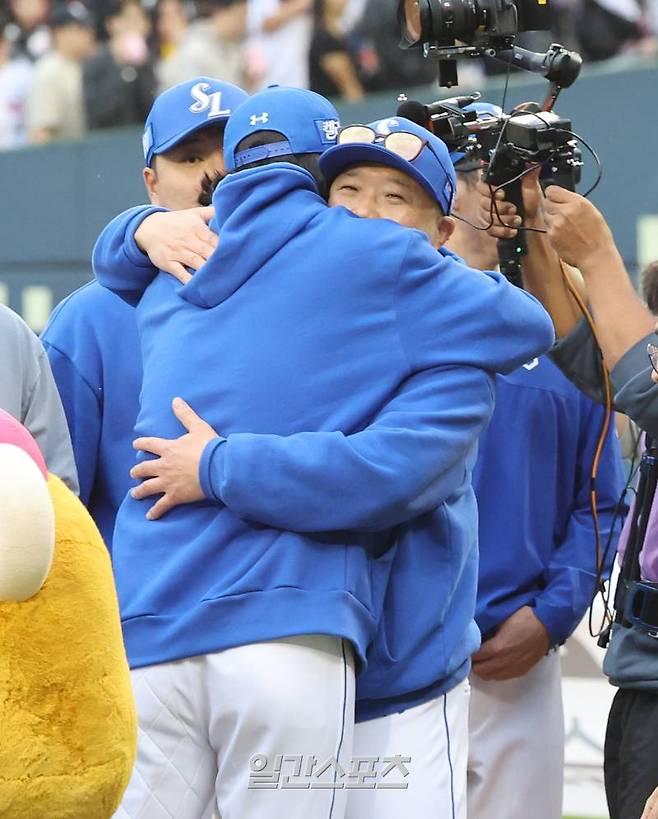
422,114
415,111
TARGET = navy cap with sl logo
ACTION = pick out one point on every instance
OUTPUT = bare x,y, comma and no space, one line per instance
308,121
186,108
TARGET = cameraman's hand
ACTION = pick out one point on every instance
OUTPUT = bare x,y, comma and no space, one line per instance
176,240
651,808
576,229
532,204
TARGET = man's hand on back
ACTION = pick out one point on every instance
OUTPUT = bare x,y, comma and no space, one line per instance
174,474
176,240
519,644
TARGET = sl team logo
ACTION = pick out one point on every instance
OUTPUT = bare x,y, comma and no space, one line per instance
212,103
328,130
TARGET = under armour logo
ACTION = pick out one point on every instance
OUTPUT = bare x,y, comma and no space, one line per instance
264,118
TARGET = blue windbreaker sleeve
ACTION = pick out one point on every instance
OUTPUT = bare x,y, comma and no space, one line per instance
410,459
571,574
83,415
119,265
489,323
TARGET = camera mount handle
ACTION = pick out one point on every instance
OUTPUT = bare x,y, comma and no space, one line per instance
558,64
506,165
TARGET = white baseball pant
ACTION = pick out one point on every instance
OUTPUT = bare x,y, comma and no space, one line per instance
435,738
211,728
516,749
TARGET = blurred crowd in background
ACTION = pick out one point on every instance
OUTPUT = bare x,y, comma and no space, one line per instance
67,68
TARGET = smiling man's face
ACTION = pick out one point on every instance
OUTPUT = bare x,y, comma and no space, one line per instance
380,192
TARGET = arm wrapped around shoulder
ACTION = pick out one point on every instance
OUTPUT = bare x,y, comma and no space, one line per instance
451,315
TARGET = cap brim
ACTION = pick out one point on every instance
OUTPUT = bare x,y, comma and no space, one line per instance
341,157
175,140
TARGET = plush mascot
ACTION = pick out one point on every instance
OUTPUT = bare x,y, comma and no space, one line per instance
68,728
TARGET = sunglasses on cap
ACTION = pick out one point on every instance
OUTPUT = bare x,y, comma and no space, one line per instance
404,144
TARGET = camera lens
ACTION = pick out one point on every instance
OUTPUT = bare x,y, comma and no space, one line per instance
424,20
411,15
462,18
412,21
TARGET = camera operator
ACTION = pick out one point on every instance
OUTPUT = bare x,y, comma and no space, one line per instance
578,235
537,569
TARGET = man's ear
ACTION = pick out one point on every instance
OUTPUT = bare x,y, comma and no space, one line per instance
446,227
151,183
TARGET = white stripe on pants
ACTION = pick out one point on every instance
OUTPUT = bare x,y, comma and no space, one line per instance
435,736
203,719
516,756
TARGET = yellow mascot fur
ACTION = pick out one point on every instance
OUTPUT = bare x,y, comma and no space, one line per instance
68,728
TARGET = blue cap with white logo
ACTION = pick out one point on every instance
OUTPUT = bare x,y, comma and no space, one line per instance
432,168
308,121
186,108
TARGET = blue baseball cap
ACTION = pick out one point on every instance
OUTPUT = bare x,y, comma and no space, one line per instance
432,168
186,108
308,121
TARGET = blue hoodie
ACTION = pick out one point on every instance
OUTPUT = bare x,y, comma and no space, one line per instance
532,481
294,350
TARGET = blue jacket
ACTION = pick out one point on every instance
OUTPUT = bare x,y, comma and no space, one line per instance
93,347
532,482
302,357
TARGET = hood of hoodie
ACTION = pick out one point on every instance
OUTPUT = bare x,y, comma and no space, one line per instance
252,228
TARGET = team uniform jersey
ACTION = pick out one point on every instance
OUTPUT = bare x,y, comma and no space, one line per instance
532,481
93,347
